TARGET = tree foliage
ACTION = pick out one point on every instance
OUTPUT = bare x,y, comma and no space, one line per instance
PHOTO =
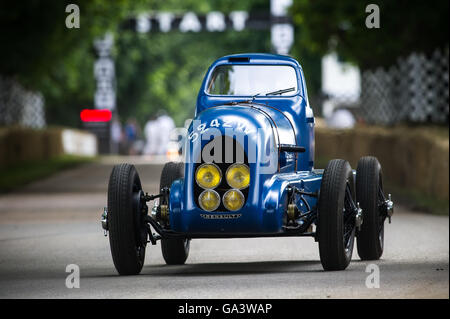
42,54
35,37
154,71
405,26
158,74
164,70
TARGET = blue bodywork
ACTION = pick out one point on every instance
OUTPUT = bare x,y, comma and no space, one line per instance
285,120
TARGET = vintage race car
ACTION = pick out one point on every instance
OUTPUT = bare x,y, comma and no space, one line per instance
248,171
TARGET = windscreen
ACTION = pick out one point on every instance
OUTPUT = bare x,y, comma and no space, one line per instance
250,80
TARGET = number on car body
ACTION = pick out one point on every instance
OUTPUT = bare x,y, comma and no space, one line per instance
201,128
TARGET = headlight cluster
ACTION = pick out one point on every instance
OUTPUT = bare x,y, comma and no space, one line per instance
208,176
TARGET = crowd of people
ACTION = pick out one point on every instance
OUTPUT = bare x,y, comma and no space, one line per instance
129,139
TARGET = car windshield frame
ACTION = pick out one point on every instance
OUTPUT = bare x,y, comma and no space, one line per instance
261,94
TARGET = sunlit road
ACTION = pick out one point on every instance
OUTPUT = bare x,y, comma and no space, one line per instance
55,222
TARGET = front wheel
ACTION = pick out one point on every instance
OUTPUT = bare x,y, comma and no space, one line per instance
127,233
336,220
175,251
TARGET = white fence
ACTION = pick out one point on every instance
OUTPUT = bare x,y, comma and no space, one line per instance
20,106
415,90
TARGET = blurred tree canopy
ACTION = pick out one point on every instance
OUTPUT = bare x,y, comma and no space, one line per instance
42,54
153,71
405,26
159,74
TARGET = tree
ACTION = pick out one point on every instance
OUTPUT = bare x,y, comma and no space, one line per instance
164,70
153,70
41,53
405,26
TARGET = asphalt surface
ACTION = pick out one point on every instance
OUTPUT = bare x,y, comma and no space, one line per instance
55,222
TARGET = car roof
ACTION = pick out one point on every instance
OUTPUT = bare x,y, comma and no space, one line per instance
257,58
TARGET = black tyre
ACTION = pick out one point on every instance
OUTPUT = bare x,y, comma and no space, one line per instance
124,220
336,221
369,194
174,251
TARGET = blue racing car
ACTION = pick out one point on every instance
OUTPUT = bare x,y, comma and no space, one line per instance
248,171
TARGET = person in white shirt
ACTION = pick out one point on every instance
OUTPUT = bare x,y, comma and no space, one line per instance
116,135
165,126
151,132
341,119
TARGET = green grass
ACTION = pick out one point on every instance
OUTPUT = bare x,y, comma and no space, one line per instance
15,176
416,200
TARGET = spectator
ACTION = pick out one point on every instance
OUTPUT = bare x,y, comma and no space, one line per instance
131,134
151,132
116,135
341,119
165,125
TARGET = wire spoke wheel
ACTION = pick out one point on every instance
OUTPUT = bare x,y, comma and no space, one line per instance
369,193
175,251
336,216
127,233
349,219
381,218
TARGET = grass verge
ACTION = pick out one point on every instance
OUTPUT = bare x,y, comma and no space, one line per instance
15,176
417,201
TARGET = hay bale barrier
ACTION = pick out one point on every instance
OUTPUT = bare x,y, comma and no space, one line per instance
19,144
29,154
416,159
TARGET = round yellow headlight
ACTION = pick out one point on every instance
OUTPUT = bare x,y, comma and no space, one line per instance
209,200
208,176
238,176
233,199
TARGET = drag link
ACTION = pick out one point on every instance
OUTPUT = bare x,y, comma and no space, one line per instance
148,197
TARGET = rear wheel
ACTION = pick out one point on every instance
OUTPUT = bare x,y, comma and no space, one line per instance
369,194
174,251
336,220
127,233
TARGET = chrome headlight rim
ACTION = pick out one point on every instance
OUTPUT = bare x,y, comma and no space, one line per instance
233,165
218,169
212,191
240,193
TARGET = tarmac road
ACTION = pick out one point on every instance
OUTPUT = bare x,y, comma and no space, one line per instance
55,222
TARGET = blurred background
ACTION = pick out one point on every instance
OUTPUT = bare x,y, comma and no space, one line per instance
121,77
87,84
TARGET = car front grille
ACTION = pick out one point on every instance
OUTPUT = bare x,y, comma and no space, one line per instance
238,154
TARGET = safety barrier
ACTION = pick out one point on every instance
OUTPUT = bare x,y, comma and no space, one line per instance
19,144
414,158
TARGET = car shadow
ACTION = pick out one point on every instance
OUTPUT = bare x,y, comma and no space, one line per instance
266,267
222,269
232,268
